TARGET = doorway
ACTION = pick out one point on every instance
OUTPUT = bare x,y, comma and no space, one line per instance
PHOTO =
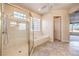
57,28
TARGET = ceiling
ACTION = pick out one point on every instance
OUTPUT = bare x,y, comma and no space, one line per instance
42,8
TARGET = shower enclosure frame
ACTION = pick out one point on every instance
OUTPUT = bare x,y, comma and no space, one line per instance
1,29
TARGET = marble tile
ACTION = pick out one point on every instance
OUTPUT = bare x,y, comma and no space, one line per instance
57,49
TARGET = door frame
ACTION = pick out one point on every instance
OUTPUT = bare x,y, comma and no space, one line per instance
60,27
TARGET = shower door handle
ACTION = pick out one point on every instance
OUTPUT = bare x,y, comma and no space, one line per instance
5,35
4,32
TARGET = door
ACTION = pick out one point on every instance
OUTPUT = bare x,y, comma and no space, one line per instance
57,26
15,33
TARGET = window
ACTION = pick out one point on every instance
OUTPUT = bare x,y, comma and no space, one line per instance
12,24
35,24
19,15
22,26
74,27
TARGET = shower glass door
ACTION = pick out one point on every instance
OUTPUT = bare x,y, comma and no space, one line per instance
16,32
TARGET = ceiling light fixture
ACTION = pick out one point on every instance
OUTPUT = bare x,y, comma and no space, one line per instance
39,9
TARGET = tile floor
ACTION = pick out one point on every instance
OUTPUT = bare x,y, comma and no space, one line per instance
58,48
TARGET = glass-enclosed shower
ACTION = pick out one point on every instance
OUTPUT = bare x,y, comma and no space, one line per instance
16,37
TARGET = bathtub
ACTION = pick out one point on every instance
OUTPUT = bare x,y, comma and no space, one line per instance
40,39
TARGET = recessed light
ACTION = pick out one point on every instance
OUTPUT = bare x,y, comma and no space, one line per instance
39,9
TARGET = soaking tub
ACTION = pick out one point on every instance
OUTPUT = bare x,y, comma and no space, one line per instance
40,39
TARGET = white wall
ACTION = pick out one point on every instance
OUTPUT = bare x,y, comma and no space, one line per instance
64,23
48,25
74,8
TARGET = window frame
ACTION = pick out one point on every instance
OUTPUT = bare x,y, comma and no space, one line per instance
19,15
37,25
